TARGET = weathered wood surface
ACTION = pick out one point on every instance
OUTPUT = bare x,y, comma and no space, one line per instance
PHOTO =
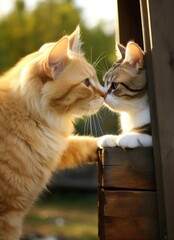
158,41
129,21
129,215
127,196
128,169
158,22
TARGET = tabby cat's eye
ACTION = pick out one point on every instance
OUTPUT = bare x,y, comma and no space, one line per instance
114,85
87,82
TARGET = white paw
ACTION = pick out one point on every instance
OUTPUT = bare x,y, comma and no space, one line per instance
107,141
133,140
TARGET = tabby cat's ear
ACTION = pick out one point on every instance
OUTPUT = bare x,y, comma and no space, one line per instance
57,57
74,40
120,51
134,55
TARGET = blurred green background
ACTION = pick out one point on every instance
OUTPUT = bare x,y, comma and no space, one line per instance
23,31
65,212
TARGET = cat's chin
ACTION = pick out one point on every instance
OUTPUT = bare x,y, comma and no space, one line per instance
87,112
110,106
110,102
90,109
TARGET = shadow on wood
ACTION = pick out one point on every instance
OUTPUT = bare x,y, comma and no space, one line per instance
127,195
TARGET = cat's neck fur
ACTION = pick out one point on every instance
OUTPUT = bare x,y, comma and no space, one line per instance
135,119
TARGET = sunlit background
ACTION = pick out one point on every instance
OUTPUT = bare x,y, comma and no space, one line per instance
69,209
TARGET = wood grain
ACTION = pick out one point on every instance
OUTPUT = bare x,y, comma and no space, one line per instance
129,169
128,215
158,40
127,195
129,16
130,229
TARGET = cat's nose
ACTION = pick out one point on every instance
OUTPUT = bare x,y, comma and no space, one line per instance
104,95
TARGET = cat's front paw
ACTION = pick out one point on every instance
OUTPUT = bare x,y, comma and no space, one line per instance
134,140
107,141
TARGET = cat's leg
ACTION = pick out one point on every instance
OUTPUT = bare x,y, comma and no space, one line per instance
79,150
126,140
10,225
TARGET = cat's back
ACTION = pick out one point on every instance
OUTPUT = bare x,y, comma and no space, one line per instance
28,144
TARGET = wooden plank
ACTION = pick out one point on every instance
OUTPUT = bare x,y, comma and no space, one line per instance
159,39
101,203
130,229
127,168
129,215
116,156
134,204
128,177
128,21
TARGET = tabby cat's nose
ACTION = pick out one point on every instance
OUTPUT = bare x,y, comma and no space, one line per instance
104,95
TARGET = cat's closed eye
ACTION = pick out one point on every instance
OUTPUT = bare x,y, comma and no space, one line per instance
87,82
113,86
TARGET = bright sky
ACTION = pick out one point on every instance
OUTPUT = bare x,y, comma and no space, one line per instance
93,10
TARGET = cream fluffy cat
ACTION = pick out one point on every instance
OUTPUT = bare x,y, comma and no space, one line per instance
126,87
39,100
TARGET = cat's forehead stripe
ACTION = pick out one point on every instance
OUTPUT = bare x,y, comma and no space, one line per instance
116,64
109,77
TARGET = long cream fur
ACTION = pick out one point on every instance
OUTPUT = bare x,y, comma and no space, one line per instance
39,100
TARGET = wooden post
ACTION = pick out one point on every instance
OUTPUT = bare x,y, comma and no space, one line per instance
128,22
120,195
158,20
127,195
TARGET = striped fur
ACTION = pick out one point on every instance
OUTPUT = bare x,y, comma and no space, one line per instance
39,100
126,85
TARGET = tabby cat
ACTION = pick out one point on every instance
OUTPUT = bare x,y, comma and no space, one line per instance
126,87
39,100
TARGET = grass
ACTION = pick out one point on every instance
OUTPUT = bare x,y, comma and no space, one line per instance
67,216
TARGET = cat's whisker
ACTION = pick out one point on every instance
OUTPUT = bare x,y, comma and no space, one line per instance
87,122
97,116
100,118
91,128
106,63
127,105
94,124
103,67
66,109
93,102
91,56
100,70
98,60
86,126
109,114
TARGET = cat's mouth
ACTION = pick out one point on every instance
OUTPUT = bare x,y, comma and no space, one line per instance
92,107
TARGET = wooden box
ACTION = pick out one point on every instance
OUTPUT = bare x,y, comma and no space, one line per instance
127,195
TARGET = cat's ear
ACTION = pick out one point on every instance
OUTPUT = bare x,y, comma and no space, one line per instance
74,40
134,55
60,53
57,57
120,51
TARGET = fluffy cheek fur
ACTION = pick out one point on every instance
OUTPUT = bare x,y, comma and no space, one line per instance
78,100
119,105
